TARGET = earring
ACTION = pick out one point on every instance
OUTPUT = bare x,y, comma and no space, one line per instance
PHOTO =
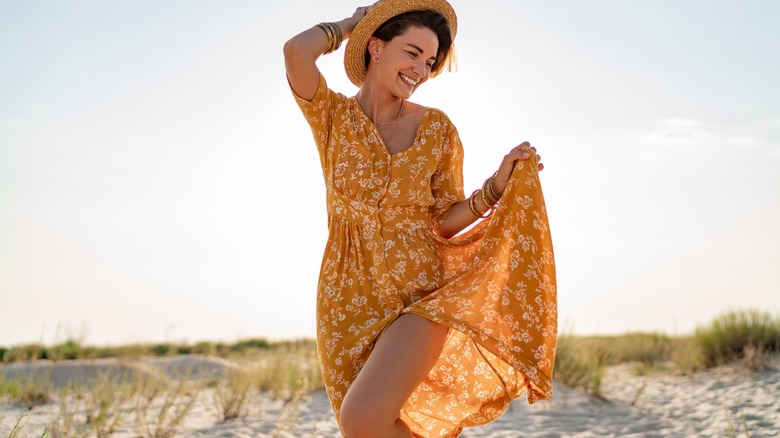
376,58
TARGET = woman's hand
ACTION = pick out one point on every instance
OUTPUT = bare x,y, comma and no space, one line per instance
523,151
348,24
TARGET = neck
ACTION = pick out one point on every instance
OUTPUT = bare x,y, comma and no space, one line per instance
383,107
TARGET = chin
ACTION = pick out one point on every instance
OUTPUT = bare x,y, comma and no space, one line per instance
407,93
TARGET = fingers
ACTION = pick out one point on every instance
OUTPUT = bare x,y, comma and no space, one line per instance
522,152
518,154
360,12
524,147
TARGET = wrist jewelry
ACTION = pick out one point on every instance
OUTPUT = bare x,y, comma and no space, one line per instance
473,207
489,194
483,194
333,31
491,189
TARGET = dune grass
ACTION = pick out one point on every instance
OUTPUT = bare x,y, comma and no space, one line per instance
580,366
74,349
161,407
288,370
744,336
230,398
157,406
738,335
31,391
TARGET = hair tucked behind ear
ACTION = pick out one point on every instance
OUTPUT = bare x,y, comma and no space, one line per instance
445,57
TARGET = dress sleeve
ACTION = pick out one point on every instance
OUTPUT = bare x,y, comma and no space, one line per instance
447,181
318,113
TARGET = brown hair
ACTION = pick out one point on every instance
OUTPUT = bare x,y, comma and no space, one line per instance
426,19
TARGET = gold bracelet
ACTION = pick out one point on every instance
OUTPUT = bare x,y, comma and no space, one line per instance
488,195
331,37
339,35
492,189
335,37
473,208
485,199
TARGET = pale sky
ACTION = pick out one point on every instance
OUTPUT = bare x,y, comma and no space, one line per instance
158,182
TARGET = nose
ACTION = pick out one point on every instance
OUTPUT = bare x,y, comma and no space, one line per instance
421,68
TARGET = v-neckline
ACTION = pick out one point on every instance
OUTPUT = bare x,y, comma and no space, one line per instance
417,133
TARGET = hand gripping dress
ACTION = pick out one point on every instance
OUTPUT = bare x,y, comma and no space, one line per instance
493,286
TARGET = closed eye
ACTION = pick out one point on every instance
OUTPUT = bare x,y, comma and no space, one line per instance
415,55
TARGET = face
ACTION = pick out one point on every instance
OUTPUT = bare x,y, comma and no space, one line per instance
405,61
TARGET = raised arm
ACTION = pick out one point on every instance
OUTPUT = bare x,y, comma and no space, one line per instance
302,50
464,213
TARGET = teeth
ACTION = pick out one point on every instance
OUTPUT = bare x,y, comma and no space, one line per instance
409,80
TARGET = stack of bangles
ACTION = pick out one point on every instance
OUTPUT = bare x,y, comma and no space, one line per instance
488,195
333,31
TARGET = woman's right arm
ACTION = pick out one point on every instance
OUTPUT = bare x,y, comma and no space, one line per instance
302,50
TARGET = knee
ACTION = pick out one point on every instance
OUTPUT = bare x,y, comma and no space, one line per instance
361,421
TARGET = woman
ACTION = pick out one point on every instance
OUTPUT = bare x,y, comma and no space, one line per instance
419,333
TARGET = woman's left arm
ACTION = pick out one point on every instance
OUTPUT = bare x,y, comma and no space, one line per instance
462,214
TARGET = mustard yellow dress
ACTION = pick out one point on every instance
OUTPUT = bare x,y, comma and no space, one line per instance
494,285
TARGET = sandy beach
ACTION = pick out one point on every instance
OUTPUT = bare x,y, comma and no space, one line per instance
724,401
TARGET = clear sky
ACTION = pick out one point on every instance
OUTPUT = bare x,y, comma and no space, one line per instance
157,181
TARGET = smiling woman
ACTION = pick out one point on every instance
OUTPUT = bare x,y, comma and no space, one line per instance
419,333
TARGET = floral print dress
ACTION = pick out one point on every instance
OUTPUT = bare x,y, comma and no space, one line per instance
493,286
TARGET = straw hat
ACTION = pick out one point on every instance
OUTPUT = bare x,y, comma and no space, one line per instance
378,13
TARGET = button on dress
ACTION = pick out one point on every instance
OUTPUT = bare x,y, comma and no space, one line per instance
493,285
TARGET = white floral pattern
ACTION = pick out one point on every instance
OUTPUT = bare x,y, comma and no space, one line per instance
494,285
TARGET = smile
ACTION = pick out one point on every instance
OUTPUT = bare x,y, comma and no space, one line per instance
408,80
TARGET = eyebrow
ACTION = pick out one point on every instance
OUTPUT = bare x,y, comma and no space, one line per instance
416,47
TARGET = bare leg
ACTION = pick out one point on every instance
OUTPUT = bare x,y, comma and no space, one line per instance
401,359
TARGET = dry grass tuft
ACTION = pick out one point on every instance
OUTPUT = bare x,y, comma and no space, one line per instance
105,400
70,421
746,336
31,391
577,366
733,334
161,407
230,398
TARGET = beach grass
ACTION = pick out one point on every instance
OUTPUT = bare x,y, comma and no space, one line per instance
580,366
287,370
230,397
745,336
31,391
738,335
73,349
161,406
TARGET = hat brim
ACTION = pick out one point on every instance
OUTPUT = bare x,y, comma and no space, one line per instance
380,12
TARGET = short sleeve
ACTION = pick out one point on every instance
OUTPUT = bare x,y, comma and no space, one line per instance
318,113
447,181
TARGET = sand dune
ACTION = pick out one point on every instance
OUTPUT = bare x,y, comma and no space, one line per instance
725,401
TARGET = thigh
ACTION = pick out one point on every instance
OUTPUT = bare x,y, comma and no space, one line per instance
400,360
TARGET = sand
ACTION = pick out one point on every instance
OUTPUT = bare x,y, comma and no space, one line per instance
722,402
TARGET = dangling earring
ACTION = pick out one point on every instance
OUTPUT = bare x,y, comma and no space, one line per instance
376,58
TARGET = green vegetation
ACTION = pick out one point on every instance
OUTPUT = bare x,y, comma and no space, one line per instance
230,398
580,366
73,349
161,407
748,336
288,370
30,391
735,335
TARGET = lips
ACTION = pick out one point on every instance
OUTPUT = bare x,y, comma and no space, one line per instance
409,81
